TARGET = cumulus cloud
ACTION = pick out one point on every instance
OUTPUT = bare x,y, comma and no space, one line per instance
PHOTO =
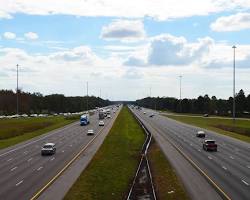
4,15
124,30
237,22
160,9
81,53
170,50
9,35
31,36
134,61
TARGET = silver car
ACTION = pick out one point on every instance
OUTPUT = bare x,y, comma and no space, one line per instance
48,149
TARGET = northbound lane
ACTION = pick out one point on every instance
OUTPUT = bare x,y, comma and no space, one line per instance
229,168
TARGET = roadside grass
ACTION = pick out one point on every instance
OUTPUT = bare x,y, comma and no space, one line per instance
239,130
167,184
13,131
111,171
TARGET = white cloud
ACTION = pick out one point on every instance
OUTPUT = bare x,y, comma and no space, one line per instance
169,50
4,15
237,22
160,9
9,35
124,30
31,36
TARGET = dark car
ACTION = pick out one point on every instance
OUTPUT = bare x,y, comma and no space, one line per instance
48,149
209,145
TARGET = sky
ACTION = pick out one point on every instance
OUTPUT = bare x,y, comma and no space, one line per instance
125,50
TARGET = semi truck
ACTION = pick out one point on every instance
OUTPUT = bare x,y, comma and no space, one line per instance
84,120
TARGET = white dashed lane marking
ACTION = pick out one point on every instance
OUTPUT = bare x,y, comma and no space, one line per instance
20,182
246,183
39,168
224,167
232,157
210,158
10,159
52,159
13,169
30,159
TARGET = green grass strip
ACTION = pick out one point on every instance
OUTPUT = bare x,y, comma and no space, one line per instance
14,131
113,167
167,184
213,124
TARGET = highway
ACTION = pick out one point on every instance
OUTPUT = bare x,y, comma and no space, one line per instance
228,168
24,171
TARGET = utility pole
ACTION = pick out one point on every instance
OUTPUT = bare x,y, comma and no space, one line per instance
100,97
17,111
87,96
180,91
150,92
234,47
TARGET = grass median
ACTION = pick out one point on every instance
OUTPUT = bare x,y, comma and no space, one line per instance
113,167
13,131
239,130
167,185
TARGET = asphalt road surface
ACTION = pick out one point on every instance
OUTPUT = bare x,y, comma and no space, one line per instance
228,168
24,171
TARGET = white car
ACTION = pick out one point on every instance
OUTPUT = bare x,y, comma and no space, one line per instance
144,113
90,132
101,123
109,116
200,134
48,149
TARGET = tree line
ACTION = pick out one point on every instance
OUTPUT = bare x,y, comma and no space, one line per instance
30,103
201,105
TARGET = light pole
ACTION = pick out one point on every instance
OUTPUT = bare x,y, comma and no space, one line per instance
87,96
17,89
234,47
180,91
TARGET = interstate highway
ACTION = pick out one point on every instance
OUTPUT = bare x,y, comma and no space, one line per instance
24,171
229,168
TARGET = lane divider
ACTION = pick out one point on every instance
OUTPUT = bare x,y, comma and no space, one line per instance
218,189
70,162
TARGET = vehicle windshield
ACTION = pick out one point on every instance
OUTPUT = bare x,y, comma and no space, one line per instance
47,146
210,142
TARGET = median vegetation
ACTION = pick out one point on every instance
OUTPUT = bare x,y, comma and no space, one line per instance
239,130
113,167
18,130
166,183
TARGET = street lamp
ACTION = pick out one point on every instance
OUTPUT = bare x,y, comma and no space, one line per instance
234,47
87,96
17,89
180,91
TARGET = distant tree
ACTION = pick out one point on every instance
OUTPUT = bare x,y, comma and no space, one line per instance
241,103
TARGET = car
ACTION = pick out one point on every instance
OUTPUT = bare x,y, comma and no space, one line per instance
101,123
205,115
209,145
90,132
144,113
151,115
48,149
200,134
108,116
